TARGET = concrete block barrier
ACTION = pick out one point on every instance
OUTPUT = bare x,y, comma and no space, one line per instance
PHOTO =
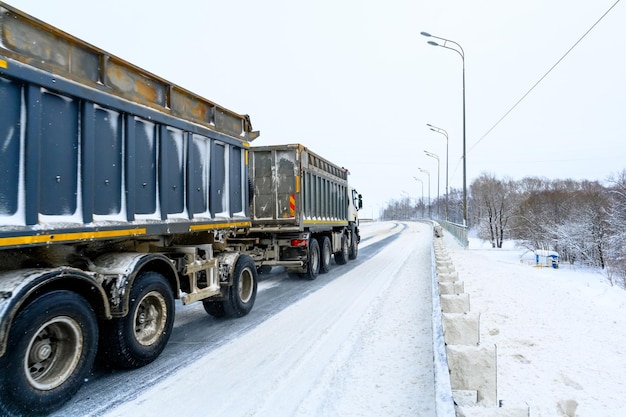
451,287
447,276
474,368
461,329
455,303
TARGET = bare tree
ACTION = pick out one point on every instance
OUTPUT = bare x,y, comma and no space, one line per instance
493,204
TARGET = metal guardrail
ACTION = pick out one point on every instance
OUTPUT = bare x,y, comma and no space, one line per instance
457,230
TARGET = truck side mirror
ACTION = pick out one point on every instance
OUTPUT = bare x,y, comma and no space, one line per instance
360,201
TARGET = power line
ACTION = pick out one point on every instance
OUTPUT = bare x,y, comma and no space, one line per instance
544,76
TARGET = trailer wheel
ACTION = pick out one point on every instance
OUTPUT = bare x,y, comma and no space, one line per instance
341,257
242,294
326,253
140,337
354,246
264,269
214,308
313,265
51,349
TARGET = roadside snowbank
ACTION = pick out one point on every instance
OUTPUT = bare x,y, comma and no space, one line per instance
560,333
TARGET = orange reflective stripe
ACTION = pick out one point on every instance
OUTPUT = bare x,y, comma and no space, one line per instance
292,205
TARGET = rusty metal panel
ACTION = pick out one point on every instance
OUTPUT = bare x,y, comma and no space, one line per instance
263,182
183,104
43,46
38,46
275,173
132,84
294,185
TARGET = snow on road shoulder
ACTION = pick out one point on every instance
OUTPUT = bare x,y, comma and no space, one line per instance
385,368
358,346
560,333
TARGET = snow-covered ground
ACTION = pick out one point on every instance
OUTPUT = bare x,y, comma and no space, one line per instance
359,346
560,333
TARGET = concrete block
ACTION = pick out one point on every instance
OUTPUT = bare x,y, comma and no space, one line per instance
465,397
451,287
447,276
446,288
474,368
455,303
443,261
477,411
447,269
461,329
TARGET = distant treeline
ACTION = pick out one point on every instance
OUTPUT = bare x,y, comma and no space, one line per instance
585,221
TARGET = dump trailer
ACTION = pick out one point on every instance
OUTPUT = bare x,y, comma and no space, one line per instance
118,193
302,210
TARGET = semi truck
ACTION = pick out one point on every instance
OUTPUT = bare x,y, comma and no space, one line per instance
121,192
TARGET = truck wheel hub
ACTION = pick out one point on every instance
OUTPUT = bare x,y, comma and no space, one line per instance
42,351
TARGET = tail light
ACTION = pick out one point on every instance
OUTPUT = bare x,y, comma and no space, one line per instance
299,242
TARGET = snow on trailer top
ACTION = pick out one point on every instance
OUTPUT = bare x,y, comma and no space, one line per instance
33,42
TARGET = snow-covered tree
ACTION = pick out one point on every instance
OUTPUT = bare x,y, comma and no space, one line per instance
493,204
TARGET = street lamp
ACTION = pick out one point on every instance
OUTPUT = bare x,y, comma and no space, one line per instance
429,205
432,155
462,54
421,182
443,132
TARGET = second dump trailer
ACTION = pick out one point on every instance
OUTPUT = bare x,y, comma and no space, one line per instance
303,210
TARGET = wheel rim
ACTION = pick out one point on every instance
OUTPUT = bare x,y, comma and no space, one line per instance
246,285
150,318
53,353
326,253
315,260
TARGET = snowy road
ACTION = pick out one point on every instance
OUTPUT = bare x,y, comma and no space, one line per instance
355,342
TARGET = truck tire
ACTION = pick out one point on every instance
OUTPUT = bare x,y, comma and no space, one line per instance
264,269
140,337
313,264
341,257
326,253
52,346
242,293
214,308
354,246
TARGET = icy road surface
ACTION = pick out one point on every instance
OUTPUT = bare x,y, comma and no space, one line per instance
355,342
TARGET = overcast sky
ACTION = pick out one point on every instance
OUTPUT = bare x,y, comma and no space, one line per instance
355,82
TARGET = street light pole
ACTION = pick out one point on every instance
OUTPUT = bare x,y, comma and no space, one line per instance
462,54
432,155
430,214
421,182
443,132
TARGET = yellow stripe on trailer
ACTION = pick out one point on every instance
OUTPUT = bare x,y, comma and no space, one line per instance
65,237
333,222
201,227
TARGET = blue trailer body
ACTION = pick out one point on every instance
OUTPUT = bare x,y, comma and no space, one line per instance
80,160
